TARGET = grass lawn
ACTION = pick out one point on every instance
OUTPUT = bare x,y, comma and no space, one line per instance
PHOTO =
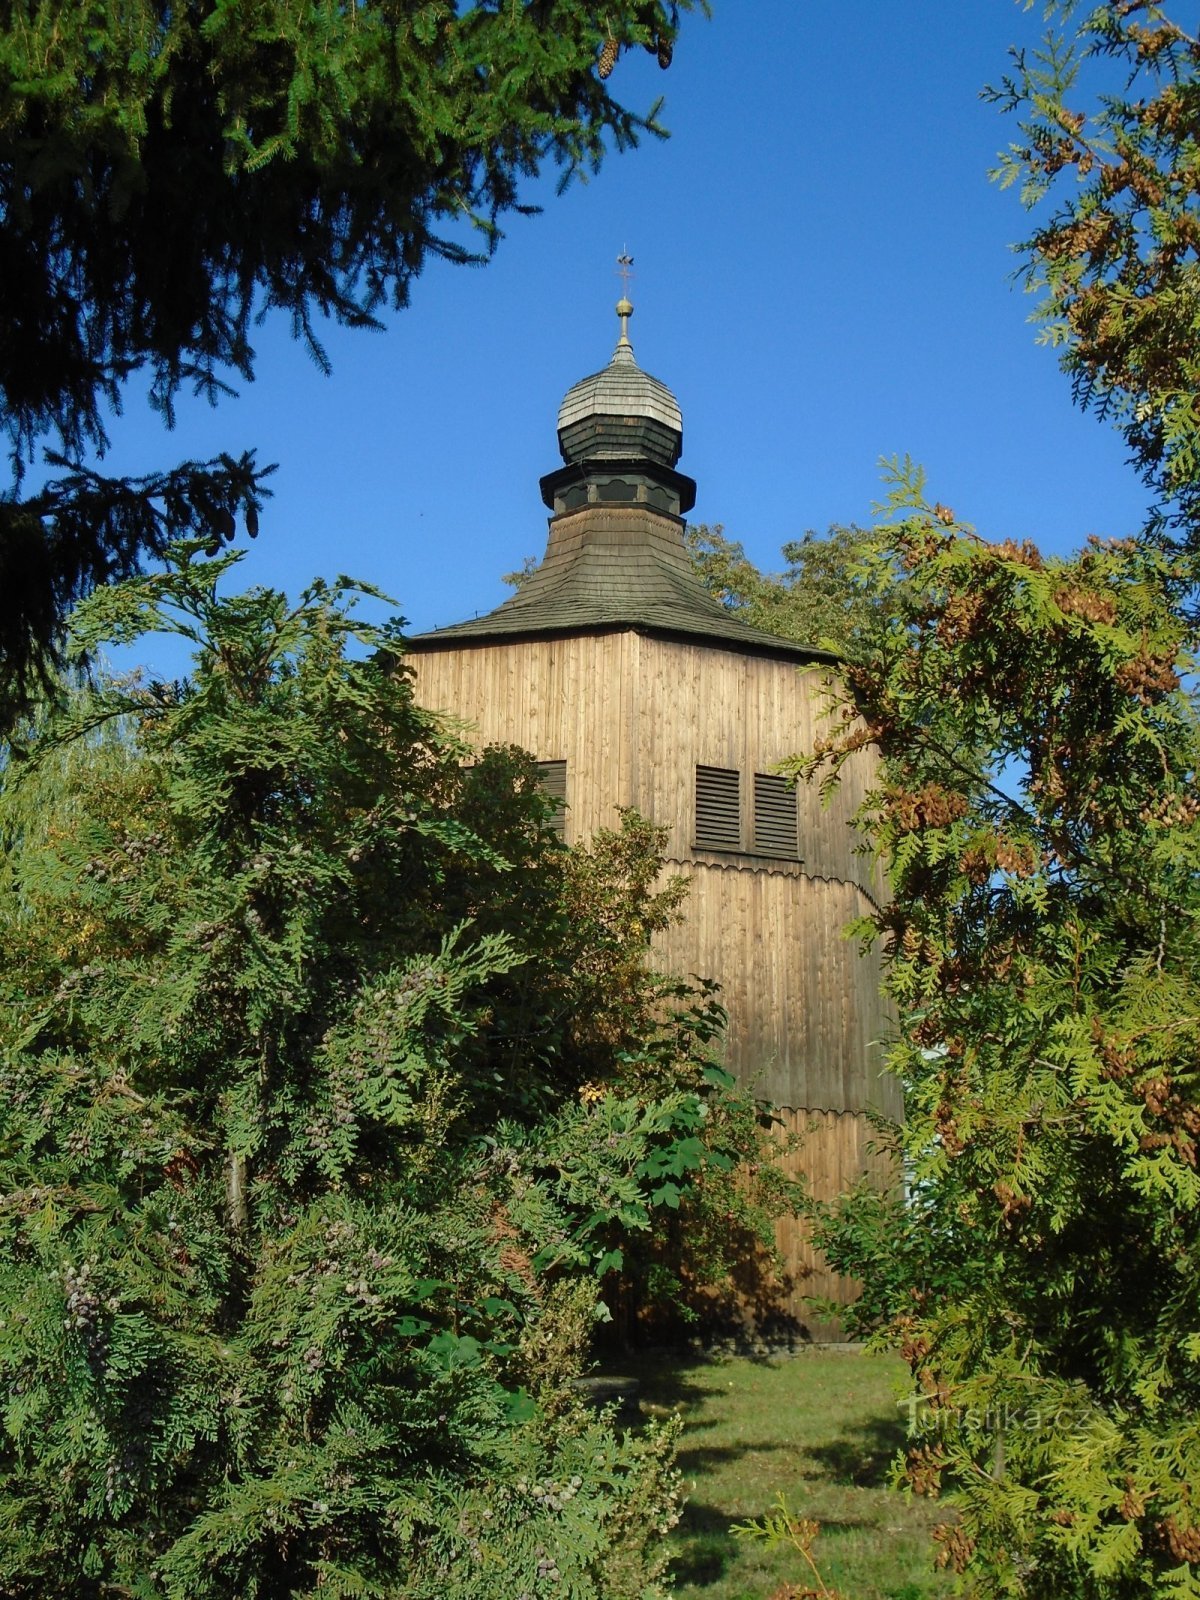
823,1427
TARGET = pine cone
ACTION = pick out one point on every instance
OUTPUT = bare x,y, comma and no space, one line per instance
608,57
665,51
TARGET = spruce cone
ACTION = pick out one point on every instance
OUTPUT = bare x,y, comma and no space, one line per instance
665,51
608,57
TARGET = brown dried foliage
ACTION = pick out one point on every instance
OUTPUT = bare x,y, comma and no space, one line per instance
955,1547
946,1124
1148,677
1086,603
924,1469
1133,1502
960,617
1182,1542
1025,554
930,806
1172,811
513,1259
1012,1201
998,852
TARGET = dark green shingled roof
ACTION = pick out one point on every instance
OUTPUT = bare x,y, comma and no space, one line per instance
616,567
617,562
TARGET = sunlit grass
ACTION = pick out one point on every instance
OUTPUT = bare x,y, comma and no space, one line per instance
822,1427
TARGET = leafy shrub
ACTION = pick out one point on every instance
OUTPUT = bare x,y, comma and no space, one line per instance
332,1089
1037,813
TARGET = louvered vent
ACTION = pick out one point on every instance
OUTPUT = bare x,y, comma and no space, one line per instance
718,809
775,832
552,776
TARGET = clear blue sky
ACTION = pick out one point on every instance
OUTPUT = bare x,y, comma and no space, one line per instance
823,276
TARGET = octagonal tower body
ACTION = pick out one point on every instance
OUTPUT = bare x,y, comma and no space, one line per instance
634,687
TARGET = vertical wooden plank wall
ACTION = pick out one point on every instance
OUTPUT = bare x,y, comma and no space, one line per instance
835,1150
563,699
633,716
806,1016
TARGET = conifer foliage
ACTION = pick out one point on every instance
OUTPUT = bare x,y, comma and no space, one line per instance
330,1092
1109,112
161,167
168,173
1037,813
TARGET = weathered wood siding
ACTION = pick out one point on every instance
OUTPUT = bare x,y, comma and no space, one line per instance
561,699
700,706
633,716
805,1014
835,1150
805,1017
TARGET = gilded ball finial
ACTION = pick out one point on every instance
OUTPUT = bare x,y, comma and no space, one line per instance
624,311
624,308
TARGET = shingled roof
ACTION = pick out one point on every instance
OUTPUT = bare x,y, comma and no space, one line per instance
607,568
618,561
598,413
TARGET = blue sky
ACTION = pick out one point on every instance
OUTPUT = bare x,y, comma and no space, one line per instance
822,275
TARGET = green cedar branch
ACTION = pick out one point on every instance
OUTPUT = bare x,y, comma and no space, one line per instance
1109,112
83,530
1038,1270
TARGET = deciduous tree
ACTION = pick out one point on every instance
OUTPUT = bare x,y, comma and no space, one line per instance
814,600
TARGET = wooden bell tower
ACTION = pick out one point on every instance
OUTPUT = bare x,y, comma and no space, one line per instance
635,688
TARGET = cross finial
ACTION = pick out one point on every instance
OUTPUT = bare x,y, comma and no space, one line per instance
624,309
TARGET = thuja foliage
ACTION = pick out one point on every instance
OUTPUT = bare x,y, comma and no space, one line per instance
1109,111
1036,811
168,173
333,1087
783,1526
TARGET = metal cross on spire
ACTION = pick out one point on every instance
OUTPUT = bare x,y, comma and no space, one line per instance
624,308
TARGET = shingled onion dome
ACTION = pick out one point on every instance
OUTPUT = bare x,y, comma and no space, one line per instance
620,433
615,557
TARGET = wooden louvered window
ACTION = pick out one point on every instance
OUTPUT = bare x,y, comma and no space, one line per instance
552,775
718,809
775,830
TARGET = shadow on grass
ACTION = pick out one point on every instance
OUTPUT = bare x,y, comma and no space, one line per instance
701,1564
707,1546
703,1458
703,1522
862,1458
670,1382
